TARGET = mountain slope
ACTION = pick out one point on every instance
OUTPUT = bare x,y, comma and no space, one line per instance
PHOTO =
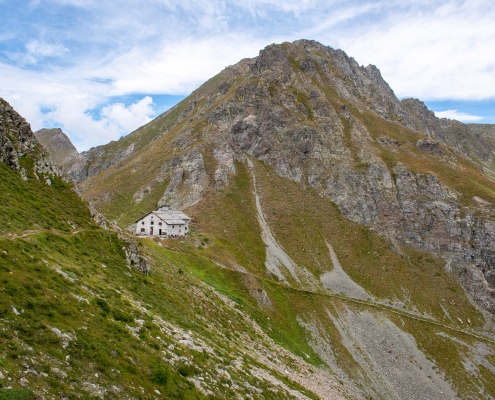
319,119
326,210
79,322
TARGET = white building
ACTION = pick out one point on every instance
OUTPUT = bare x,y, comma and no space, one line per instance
163,222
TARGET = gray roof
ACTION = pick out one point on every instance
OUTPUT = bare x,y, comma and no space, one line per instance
165,215
175,214
170,217
175,222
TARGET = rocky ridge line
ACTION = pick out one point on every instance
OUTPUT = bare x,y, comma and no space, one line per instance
17,141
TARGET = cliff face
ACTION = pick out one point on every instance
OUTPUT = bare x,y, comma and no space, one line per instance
461,137
94,161
17,142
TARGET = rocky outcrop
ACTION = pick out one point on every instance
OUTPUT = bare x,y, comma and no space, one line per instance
187,180
18,143
459,136
429,146
134,258
94,161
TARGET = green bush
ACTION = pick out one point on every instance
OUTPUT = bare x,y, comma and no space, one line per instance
161,375
122,316
16,394
186,370
105,308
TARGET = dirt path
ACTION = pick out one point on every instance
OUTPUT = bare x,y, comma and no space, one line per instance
11,235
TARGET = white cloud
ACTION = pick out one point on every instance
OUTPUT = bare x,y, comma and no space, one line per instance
437,52
129,118
36,50
37,47
425,49
459,116
115,120
177,68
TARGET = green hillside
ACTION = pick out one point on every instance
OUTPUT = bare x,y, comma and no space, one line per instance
78,322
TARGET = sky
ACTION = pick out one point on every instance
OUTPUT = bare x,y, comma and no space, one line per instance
100,69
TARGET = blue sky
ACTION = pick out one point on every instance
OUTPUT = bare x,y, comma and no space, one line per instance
99,69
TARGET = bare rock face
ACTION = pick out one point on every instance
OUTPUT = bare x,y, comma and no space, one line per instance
17,141
94,161
459,136
187,182
134,258
58,145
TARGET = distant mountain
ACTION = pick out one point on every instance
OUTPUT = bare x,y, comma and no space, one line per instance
58,145
354,229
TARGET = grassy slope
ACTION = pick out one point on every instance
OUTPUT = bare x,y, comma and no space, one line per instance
45,298
366,257
34,283
74,278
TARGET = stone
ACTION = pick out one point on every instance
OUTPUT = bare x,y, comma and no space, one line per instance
134,258
31,372
429,146
187,342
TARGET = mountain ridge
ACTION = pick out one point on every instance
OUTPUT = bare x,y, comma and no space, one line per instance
332,111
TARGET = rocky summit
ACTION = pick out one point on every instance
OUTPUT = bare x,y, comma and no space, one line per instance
340,246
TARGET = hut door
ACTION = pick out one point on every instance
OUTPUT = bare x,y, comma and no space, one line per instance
151,231
160,232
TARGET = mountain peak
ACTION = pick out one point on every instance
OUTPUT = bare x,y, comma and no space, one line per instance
354,229
58,145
